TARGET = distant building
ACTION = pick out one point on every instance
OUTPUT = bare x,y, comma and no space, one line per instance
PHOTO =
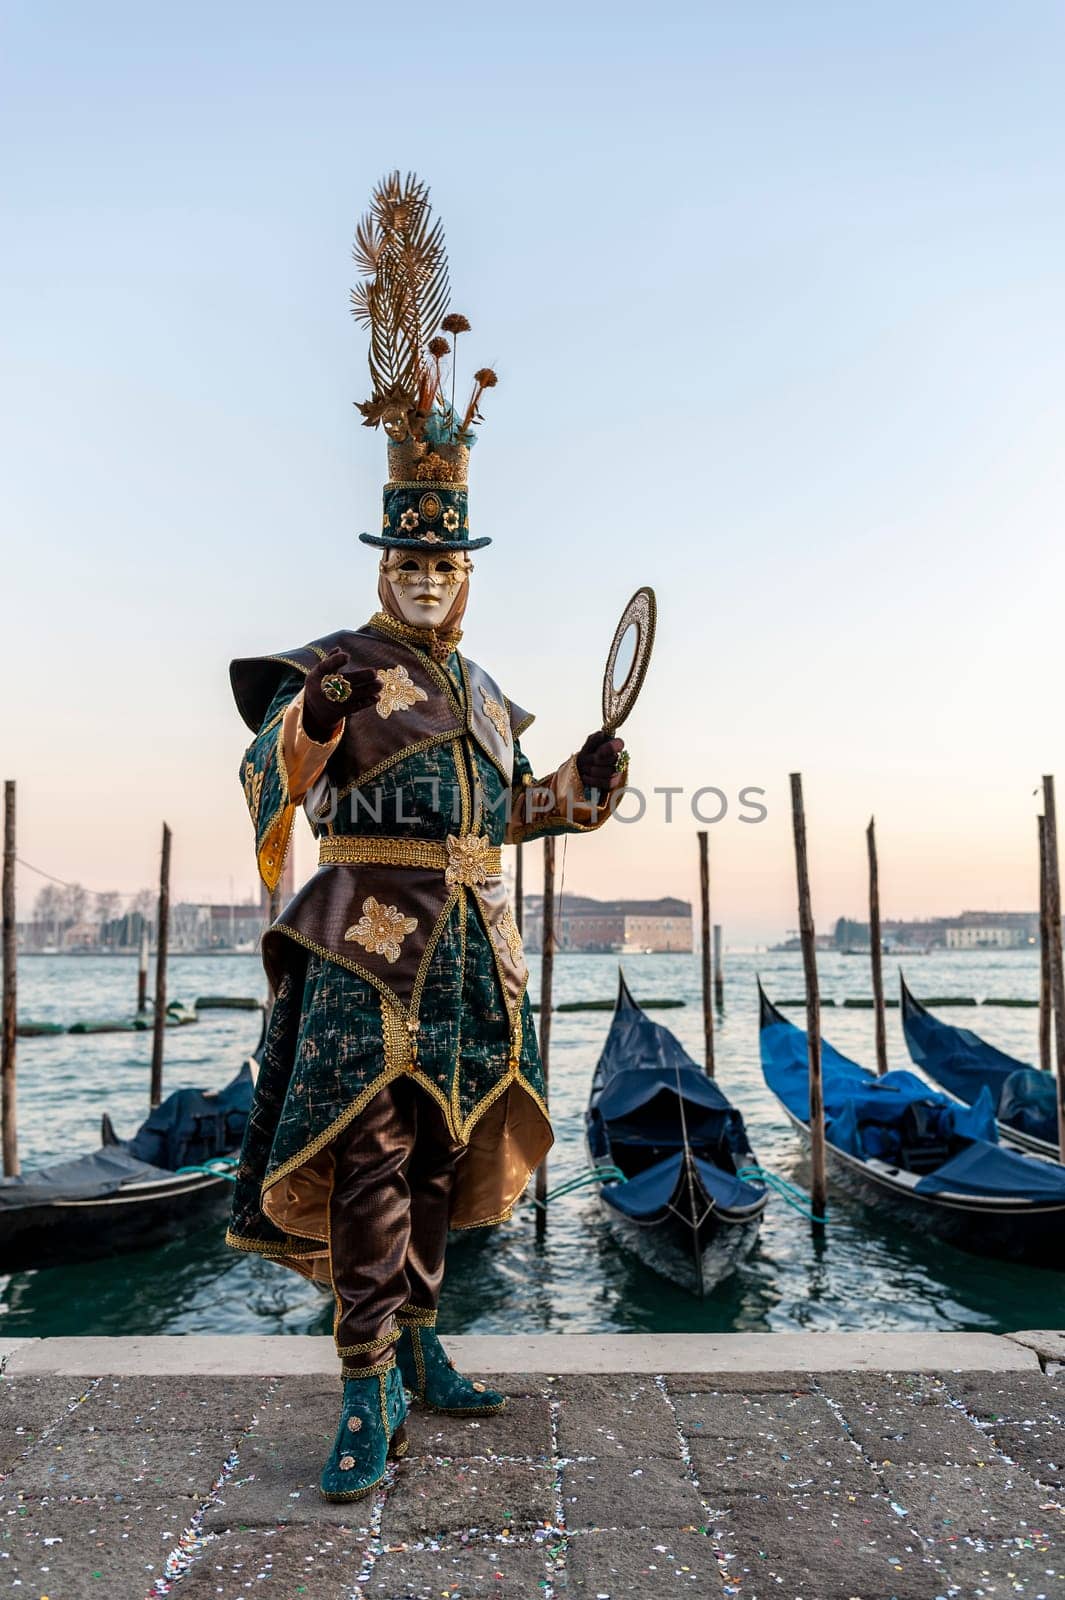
992,930
972,930
611,926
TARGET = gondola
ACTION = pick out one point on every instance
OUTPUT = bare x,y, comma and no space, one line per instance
659,1121
916,1155
130,1194
1024,1100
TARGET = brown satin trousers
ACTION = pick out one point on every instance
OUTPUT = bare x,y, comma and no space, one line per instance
393,1173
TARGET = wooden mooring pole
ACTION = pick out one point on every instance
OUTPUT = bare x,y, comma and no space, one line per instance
162,940
875,952
818,1181
1057,975
1046,1009
719,966
8,1097
704,901
142,969
547,977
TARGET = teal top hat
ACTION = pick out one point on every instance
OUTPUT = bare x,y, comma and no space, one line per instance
402,301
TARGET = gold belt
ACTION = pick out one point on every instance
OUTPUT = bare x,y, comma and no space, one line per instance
468,858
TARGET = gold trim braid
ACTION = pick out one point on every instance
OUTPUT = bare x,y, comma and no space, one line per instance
345,850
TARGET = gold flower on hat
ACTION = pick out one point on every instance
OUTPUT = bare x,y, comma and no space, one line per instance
408,521
450,519
434,469
381,929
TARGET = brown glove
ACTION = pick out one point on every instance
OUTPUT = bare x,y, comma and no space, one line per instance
597,762
321,713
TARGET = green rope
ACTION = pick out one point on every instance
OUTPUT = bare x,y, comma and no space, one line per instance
217,1167
583,1180
787,1192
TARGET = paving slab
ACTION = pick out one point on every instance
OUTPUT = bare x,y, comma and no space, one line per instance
726,1468
651,1492
1037,1446
433,1499
889,1426
523,1429
475,1571
783,1382
29,1406
823,1547
734,1416
1048,1344
277,1564
280,1460
992,1500
640,1566
1008,1396
78,1461
178,1355
972,1569
70,1551
178,1405
493,1354
615,1415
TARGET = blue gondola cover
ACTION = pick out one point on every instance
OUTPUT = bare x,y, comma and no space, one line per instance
865,1116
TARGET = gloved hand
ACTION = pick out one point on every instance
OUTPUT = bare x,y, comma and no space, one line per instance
597,762
320,713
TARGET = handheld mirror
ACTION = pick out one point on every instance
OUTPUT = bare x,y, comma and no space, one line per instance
628,658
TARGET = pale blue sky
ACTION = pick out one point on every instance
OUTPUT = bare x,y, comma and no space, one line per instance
775,294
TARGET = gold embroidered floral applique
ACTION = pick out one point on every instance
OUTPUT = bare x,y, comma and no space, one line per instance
451,519
408,521
398,692
381,929
496,715
467,861
507,929
253,789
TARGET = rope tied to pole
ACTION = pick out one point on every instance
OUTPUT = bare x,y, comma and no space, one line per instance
786,1191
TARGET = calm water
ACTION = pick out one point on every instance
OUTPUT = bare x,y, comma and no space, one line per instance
863,1274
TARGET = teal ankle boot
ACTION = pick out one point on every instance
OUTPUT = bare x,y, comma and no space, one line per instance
432,1379
371,1432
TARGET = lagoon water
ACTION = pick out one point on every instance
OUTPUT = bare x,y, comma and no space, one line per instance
864,1273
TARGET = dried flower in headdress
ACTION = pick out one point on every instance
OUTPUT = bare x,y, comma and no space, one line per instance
455,322
438,349
483,379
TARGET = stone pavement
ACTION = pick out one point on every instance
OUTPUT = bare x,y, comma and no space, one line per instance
824,1485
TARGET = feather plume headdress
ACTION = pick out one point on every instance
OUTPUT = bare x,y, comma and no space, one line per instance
402,300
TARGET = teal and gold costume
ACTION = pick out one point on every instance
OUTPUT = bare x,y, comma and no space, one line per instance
402,954
400,1092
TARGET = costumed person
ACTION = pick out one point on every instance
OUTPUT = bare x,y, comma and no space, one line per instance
400,1092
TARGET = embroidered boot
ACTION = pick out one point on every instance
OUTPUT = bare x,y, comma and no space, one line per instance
371,1432
431,1377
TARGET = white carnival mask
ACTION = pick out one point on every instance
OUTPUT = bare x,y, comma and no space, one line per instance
425,584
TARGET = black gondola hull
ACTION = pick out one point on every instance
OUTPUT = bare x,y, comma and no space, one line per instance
696,1259
60,1232
1034,1234
655,1120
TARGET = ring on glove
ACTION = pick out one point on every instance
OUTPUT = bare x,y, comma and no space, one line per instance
622,762
336,688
